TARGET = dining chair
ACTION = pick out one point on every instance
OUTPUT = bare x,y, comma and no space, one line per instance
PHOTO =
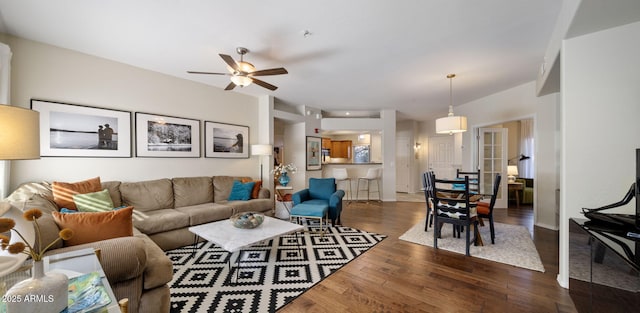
485,210
474,179
452,206
428,196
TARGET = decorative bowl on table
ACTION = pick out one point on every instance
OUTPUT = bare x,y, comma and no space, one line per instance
247,220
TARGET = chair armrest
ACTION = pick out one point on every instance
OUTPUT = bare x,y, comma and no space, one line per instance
300,196
264,193
122,258
336,198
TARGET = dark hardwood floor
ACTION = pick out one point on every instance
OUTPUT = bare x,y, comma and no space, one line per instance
399,276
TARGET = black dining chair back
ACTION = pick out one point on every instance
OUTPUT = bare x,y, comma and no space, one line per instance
452,206
474,179
428,196
486,211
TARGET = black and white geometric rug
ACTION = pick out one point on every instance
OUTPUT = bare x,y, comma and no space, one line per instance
272,273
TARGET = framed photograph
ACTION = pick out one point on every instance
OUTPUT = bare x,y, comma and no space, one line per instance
314,145
226,140
167,136
70,130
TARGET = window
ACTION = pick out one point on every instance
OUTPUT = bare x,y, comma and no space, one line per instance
361,154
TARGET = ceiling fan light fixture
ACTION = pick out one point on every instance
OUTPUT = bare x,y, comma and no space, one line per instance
241,81
451,124
246,67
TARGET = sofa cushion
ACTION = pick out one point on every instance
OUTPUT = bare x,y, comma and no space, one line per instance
321,188
94,201
114,191
148,195
241,191
255,205
155,221
63,192
222,187
192,190
206,212
95,226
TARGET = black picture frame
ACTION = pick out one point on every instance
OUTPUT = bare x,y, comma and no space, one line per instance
223,140
74,130
163,136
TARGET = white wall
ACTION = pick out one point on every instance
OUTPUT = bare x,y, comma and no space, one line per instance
601,123
50,73
514,104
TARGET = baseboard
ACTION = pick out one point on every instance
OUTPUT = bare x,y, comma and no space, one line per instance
551,227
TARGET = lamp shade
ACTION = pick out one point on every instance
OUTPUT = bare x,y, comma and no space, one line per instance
512,170
19,133
261,149
451,124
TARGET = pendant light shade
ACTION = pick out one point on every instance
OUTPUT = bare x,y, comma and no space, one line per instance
451,124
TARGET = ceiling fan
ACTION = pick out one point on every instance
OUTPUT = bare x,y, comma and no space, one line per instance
242,73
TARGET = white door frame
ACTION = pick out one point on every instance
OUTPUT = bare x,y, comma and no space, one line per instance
498,163
474,153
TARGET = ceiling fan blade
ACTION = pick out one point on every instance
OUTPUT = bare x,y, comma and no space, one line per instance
271,71
229,60
210,73
262,83
230,86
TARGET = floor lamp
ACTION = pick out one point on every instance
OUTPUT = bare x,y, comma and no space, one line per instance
261,150
19,140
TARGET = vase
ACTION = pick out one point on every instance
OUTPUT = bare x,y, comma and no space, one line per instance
40,293
284,179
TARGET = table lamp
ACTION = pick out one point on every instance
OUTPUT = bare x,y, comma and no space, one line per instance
261,150
19,140
512,171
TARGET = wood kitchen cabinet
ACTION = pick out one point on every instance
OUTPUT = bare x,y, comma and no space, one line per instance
341,149
326,143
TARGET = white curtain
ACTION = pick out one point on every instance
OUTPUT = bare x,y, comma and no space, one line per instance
5,79
525,167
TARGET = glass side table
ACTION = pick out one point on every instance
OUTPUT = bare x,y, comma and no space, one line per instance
72,264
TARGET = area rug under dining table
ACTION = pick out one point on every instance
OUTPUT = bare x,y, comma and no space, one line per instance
513,246
271,275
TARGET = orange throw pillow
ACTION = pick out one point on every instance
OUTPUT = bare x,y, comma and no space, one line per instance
255,192
95,226
483,207
63,192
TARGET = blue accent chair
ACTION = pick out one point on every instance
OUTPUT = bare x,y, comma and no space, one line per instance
322,191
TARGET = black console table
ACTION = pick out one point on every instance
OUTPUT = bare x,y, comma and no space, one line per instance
604,269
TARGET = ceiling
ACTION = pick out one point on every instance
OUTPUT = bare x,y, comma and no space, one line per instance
359,55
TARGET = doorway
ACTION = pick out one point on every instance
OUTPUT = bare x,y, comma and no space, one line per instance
441,156
402,164
520,154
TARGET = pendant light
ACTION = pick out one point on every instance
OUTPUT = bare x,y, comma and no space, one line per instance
451,124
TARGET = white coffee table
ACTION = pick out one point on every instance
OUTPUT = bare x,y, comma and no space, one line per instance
232,239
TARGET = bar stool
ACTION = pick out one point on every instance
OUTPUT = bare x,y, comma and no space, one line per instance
341,175
373,174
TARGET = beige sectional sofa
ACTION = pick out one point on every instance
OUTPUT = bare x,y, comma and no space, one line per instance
137,267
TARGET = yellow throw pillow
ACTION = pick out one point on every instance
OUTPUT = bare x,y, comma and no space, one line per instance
63,192
95,226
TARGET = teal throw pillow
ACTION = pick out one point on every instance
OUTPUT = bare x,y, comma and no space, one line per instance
241,191
93,202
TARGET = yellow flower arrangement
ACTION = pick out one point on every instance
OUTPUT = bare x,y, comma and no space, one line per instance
32,215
